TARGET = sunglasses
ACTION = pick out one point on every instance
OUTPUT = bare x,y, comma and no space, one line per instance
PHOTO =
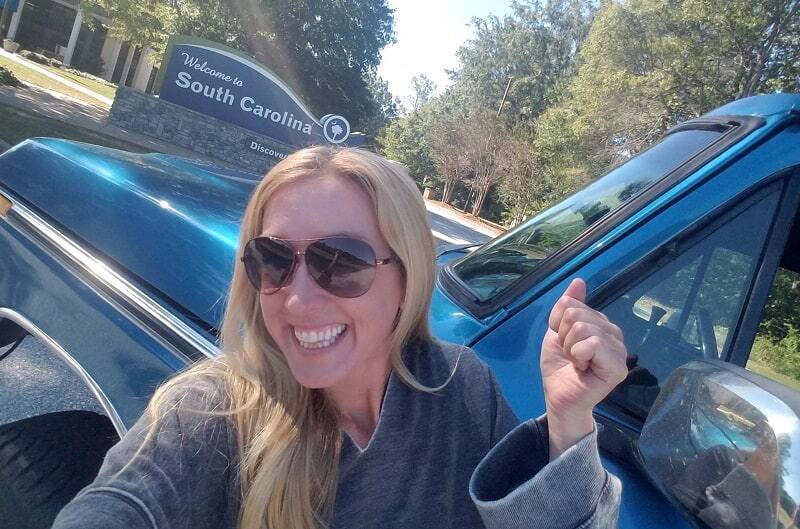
343,266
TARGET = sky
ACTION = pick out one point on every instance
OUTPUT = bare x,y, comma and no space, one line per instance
429,32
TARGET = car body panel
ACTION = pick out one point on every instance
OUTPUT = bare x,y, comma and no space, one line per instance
180,223
125,360
763,105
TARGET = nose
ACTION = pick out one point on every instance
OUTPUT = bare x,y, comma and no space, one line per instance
301,293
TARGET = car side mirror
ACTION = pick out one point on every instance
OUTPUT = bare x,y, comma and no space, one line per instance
724,445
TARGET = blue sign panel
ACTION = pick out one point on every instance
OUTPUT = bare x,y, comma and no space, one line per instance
222,82
12,6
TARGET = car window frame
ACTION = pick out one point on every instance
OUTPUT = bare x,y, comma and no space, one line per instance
746,328
787,184
733,128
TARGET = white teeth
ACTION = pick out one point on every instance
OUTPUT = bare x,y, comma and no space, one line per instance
319,338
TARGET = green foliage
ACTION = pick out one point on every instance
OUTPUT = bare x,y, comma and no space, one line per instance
422,89
386,110
777,344
8,79
649,64
405,141
782,356
536,45
782,311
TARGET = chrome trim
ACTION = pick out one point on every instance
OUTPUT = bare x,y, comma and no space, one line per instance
724,444
40,335
142,307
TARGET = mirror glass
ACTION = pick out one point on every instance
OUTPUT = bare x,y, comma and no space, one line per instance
725,445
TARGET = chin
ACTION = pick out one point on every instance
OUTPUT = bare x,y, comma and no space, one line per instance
314,378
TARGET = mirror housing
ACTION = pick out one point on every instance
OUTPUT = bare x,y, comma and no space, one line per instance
723,444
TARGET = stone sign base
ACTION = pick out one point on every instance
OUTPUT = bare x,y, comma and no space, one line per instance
139,112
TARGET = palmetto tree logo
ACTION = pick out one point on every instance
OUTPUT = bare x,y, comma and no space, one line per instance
336,129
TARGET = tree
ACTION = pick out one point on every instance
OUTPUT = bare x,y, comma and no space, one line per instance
405,141
536,45
525,187
446,138
324,50
483,143
422,91
649,64
386,110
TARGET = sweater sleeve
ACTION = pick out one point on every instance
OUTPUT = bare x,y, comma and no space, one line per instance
177,476
515,486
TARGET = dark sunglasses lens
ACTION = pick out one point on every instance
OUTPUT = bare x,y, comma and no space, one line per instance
268,263
344,267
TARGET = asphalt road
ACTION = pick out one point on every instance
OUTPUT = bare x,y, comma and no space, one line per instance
34,381
449,231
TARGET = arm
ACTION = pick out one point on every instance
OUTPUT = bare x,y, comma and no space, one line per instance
517,486
547,473
179,476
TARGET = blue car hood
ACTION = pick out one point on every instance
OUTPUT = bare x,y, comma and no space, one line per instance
170,222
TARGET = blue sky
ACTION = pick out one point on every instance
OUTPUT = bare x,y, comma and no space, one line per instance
428,34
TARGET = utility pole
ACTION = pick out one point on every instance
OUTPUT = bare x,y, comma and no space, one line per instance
510,78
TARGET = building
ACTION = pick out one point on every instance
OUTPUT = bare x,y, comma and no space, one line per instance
58,28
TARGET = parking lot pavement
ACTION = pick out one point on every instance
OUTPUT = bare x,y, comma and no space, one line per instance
33,381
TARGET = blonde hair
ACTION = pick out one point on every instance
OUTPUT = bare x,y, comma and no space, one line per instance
289,436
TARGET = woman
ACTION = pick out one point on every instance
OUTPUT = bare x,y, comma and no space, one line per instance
333,405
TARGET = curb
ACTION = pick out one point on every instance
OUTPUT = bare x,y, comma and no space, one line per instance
490,230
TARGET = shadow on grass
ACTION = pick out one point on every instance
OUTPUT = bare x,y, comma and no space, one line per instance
31,111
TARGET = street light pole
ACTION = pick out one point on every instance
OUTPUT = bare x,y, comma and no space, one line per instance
510,78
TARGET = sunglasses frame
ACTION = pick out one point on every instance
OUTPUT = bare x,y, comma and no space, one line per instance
297,253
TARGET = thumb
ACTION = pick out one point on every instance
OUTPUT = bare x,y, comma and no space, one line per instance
576,290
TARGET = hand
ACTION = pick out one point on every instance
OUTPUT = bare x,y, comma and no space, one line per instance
583,359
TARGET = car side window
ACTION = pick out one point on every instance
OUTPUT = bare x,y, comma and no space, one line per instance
685,301
776,349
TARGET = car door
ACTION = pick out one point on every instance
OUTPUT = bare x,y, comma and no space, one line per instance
687,286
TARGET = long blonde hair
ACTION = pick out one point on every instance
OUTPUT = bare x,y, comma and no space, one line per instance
289,436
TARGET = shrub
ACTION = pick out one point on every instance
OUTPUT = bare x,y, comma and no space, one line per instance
41,59
35,57
94,78
9,79
782,355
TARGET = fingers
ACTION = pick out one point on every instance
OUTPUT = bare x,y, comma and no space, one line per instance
576,289
588,339
588,346
574,296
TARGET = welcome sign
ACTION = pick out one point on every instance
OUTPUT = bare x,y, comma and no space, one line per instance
219,81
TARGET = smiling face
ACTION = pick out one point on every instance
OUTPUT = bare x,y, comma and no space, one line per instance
330,342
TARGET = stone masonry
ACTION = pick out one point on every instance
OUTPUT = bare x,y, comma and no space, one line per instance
139,112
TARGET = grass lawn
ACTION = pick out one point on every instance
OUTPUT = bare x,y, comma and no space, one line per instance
763,369
94,86
17,125
28,75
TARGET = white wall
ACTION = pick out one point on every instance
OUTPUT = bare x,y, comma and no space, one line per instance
142,74
109,55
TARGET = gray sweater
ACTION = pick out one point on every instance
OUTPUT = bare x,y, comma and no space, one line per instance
453,459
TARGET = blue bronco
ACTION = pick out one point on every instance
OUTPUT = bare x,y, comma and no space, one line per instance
118,264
